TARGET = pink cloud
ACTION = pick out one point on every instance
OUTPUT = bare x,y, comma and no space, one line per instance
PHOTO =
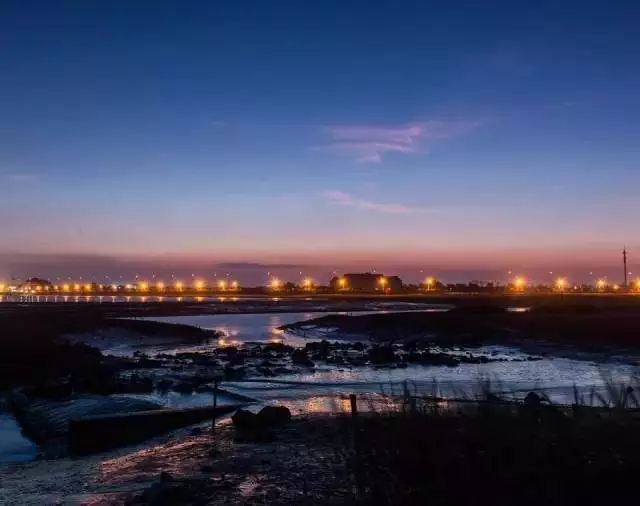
368,143
348,200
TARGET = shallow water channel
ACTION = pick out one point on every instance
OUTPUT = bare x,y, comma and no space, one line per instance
326,387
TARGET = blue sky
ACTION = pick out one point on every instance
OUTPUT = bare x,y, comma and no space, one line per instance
465,135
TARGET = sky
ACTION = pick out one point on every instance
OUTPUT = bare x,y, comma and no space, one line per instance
460,137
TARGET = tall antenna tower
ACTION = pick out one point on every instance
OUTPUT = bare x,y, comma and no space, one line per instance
624,261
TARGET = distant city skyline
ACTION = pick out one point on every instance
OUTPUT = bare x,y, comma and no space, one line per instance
465,137
113,270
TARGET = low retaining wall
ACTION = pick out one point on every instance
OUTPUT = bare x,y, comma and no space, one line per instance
98,433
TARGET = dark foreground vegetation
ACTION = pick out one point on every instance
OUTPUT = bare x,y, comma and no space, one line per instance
533,456
481,452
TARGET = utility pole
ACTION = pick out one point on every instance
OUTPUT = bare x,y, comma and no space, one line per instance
624,261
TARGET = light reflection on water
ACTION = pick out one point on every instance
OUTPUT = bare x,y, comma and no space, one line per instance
557,374
242,328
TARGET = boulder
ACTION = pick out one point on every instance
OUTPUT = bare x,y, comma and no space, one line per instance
382,355
269,416
244,419
274,415
184,387
299,357
532,400
234,373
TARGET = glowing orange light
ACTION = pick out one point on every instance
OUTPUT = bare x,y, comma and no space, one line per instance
179,286
160,286
143,286
222,284
275,283
519,283
76,287
199,285
601,284
561,283
234,285
429,282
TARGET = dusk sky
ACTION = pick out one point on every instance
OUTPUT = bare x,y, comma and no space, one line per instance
451,135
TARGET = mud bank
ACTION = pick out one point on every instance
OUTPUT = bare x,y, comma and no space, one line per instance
590,326
305,460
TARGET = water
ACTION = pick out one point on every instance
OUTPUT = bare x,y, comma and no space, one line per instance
14,446
327,388
242,328
556,376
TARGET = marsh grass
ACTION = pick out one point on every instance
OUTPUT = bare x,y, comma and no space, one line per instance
488,446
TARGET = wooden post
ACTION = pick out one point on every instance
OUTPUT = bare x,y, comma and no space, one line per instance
215,402
354,405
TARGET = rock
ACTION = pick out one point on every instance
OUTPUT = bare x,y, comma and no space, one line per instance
244,419
268,416
274,415
237,360
382,355
299,357
184,387
320,349
265,371
231,373
165,477
160,494
532,400
164,384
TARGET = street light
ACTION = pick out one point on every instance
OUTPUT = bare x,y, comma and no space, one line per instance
429,282
199,284
561,284
342,283
222,284
160,286
179,286
383,282
275,284
519,283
